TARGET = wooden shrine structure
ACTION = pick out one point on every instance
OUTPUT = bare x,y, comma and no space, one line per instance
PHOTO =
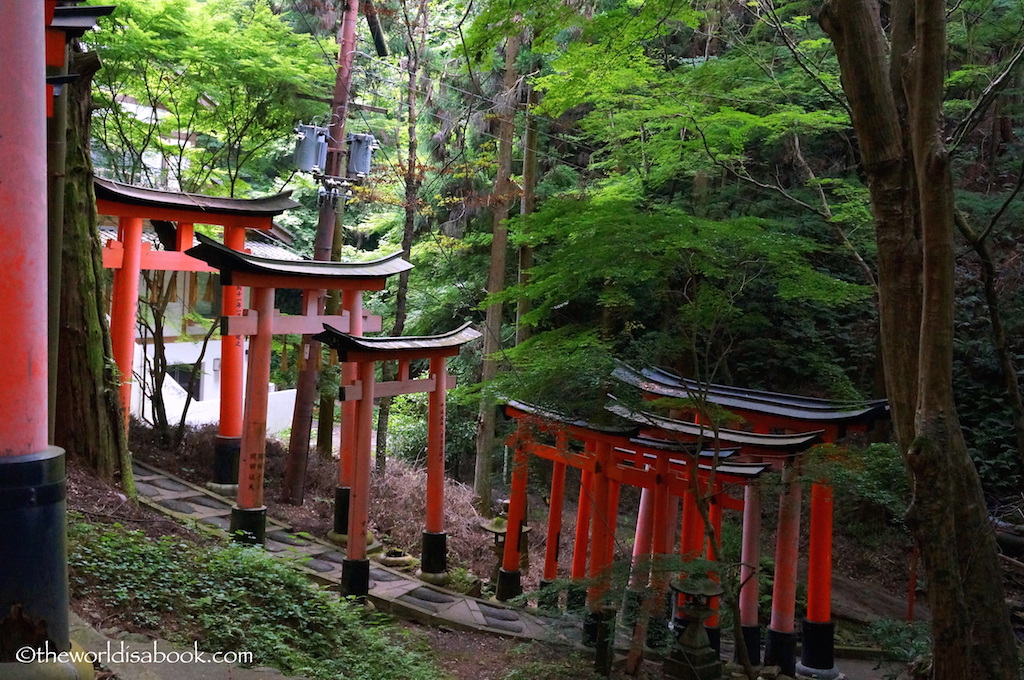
359,388
671,459
773,412
129,255
351,516
263,276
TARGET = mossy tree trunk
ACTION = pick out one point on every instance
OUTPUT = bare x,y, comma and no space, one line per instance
894,83
89,423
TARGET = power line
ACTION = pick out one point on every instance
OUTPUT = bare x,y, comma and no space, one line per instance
428,112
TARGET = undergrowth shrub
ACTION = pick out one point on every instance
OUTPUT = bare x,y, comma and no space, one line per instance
407,432
398,500
235,598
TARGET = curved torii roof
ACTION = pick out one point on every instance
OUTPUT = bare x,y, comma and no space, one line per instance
126,200
243,269
408,347
633,452
749,441
622,428
664,383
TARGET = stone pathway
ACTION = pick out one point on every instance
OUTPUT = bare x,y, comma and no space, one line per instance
392,591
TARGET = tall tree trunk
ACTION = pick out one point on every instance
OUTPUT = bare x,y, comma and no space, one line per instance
526,207
89,422
415,49
501,199
895,90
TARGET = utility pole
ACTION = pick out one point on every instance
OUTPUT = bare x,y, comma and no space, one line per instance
331,193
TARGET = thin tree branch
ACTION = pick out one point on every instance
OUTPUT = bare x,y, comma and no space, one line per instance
776,22
981,107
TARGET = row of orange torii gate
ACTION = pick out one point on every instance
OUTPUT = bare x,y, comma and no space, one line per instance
646,450
674,460
243,417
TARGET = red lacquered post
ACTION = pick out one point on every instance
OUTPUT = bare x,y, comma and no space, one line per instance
355,574
643,539
509,576
351,302
232,359
750,558
780,643
817,656
715,516
557,500
249,516
232,349
434,561
614,489
577,595
33,569
600,527
124,307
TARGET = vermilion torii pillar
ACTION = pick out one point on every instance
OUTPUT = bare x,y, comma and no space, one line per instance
818,653
33,571
780,642
556,499
249,516
232,362
750,561
352,302
365,352
576,597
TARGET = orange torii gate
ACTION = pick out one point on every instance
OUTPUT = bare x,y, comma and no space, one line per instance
769,412
264,276
128,255
351,516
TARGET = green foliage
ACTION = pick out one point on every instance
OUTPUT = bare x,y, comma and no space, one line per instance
407,430
566,370
235,598
193,92
621,275
904,642
871,486
626,247
550,666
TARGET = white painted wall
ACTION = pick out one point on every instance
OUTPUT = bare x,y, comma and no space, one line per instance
280,404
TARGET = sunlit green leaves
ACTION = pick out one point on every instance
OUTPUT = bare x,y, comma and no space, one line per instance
192,91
